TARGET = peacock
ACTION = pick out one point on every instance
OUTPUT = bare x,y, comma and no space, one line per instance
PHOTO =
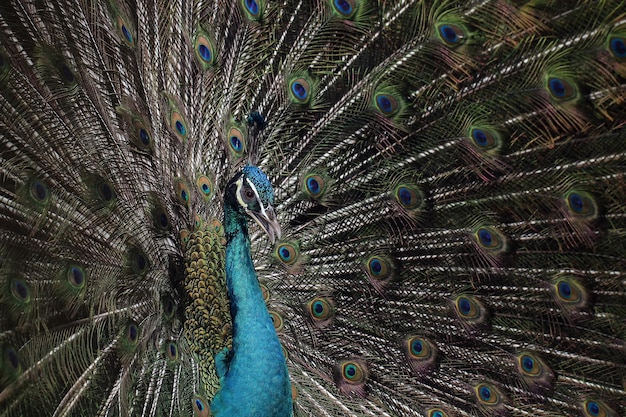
313,208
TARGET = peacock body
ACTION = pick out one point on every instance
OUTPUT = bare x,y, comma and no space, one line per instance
253,377
449,178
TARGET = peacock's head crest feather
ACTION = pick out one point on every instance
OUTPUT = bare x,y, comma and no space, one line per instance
250,193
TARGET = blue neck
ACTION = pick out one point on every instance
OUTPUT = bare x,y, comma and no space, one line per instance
256,382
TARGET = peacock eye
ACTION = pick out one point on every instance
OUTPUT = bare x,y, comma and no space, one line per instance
248,194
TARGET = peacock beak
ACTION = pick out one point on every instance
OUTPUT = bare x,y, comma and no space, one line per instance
266,218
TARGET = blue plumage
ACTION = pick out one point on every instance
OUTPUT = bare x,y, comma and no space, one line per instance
253,376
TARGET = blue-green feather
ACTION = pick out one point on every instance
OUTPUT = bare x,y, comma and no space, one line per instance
256,381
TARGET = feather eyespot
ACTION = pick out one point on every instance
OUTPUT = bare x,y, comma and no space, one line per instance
437,412
20,291
125,31
617,46
253,8
216,225
39,191
345,8
204,50
565,291
597,408
10,366
205,185
490,239
471,312
528,365
409,197
127,35
536,373
76,276
288,253
467,308
180,128
421,354
197,222
11,358
569,294
350,377
201,407
132,333
451,35
352,372
142,137
560,89
171,351
169,307
484,139
314,185
67,75
419,348
592,408
139,263
405,196
236,141
300,90
485,237
182,191
580,204
184,237
178,124
378,268
105,191
102,194
54,66
205,53
569,291
161,219
277,320
387,104
199,404
320,309
575,202
487,394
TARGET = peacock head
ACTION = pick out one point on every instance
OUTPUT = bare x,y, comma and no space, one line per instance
250,193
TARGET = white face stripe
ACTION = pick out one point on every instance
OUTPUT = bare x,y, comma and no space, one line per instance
239,183
265,218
